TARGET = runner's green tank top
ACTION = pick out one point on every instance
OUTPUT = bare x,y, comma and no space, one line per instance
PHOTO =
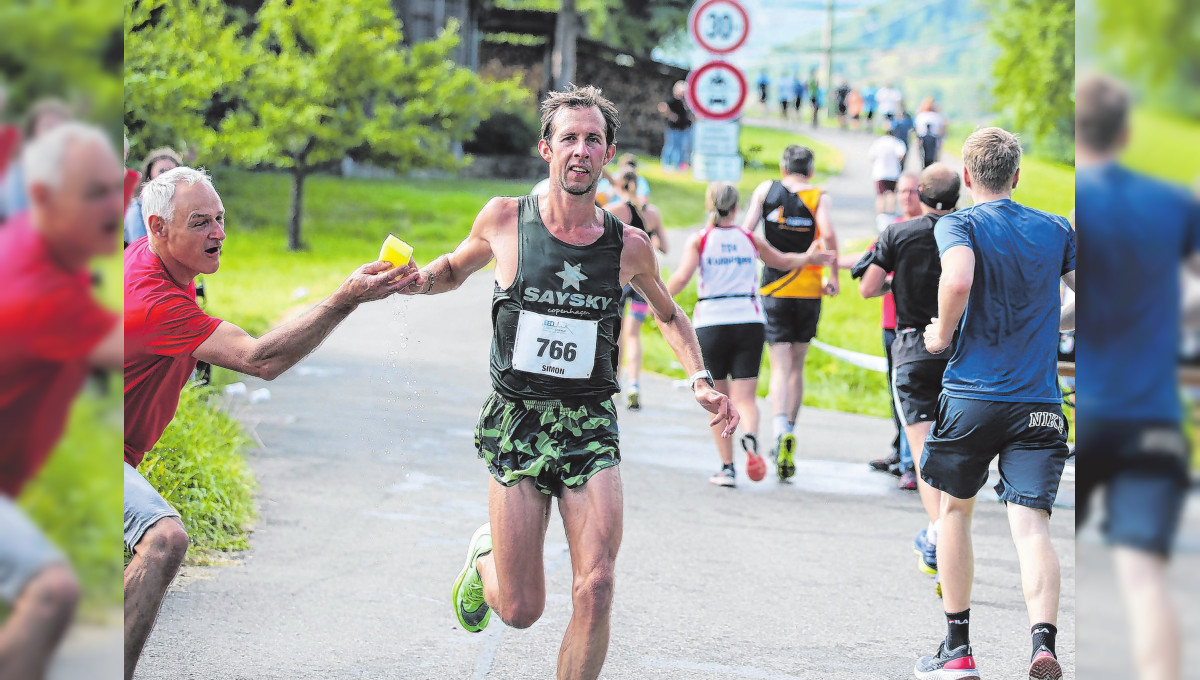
555,329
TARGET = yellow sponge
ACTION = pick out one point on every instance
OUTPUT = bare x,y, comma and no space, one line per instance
395,251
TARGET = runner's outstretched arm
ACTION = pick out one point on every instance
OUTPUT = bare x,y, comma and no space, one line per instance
829,242
640,268
281,348
954,289
449,271
773,257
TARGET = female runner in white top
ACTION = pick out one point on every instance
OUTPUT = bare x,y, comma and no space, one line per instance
728,317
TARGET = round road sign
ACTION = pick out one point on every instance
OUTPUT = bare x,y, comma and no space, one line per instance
719,26
716,90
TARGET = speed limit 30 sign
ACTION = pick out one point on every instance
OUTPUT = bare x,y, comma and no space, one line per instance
719,26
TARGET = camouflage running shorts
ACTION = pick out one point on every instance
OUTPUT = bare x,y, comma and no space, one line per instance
549,442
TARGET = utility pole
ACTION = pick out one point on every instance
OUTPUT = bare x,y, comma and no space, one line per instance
566,30
829,8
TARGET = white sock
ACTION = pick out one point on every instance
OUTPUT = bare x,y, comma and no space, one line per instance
633,387
931,534
781,426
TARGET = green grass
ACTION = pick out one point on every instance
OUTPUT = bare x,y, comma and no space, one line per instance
1164,145
199,468
1044,184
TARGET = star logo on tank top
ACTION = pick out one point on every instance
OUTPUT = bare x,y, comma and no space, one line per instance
571,275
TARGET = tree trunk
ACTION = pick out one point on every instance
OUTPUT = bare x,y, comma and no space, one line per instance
294,241
566,30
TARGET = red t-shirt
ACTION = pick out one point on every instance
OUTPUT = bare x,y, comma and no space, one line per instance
132,177
49,324
10,139
163,326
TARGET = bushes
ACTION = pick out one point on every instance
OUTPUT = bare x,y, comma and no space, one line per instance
507,131
199,469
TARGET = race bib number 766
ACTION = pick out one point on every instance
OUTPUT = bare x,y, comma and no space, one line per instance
552,345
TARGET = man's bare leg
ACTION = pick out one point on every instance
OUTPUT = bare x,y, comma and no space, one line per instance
513,574
931,498
781,371
39,618
593,518
156,560
795,395
1040,577
956,557
1153,621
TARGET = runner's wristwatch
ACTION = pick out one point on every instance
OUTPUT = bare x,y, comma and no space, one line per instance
705,375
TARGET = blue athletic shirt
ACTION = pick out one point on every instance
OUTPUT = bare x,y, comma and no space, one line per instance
1136,233
1008,343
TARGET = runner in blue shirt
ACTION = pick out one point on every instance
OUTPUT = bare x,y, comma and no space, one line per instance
1001,267
1129,431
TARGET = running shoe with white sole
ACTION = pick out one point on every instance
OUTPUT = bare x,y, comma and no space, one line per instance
956,664
1045,665
724,477
785,459
926,552
470,606
635,401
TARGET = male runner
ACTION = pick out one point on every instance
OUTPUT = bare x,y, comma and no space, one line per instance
794,213
52,334
649,220
1001,267
165,334
1129,430
549,427
908,251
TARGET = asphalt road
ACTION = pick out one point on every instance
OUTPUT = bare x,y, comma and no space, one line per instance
370,489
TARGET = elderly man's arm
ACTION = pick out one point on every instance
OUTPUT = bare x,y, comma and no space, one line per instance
281,348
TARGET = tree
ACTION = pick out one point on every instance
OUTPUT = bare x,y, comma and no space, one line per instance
305,83
1155,44
1035,71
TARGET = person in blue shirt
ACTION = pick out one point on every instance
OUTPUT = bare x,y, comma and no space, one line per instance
869,105
1002,264
763,83
1129,432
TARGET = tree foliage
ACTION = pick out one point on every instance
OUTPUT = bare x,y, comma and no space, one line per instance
1157,43
300,85
64,49
636,26
1035,71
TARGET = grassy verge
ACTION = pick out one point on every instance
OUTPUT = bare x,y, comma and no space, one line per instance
198,467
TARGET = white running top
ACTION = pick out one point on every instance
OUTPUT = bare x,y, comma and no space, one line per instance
728,278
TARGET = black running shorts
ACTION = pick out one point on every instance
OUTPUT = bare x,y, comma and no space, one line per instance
732,350
791,319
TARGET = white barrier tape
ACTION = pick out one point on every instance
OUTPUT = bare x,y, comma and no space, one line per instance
867,361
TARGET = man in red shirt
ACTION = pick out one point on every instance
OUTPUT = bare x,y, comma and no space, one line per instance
166,333
52,334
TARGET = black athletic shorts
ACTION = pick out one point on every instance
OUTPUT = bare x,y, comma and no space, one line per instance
916,386
791,319
1030,438
732,350
1144,469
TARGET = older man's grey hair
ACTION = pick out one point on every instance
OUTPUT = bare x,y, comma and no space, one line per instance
43,158
158,195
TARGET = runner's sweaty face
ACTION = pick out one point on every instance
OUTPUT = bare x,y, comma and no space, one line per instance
197,230
577,149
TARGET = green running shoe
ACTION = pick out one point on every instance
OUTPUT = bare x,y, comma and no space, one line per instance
471,609
785,463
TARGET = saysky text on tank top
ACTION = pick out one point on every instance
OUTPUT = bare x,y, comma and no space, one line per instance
790,225
555,328
728,279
